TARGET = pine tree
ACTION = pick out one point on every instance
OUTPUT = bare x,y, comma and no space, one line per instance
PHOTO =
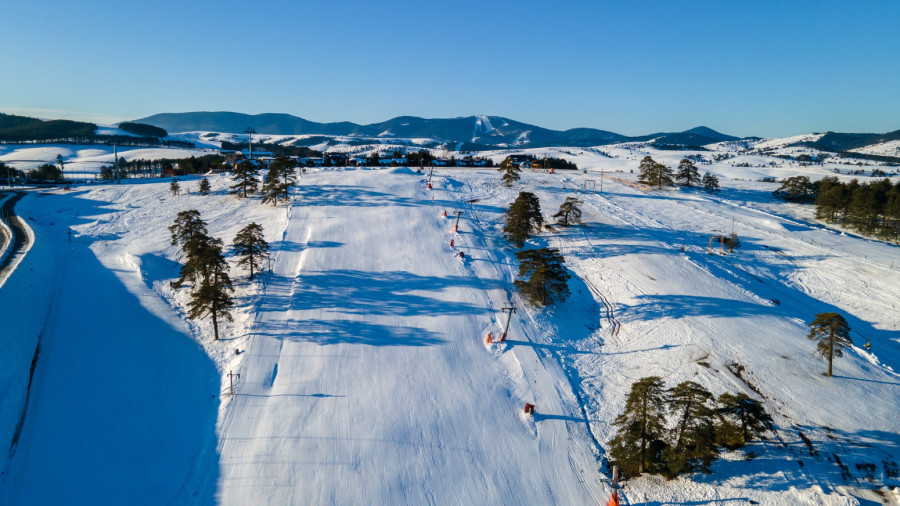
211,296
174,187
710,183
271,187
198,250
569,211
687,173
694,446
832,332
796,189
742,419
523,218
544,276
244,176
187,225
279,180
510,172
892,213
639,441
830,200
204,187
288,175
655,174
251,247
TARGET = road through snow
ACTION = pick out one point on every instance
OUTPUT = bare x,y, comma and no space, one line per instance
367,381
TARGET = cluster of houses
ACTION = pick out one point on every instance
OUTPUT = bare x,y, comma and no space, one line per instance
265,158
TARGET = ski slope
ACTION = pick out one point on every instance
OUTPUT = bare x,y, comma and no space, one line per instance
367,380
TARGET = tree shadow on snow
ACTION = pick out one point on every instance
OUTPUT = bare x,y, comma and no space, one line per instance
385,293
326,332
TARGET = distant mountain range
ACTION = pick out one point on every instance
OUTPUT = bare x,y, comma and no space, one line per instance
472,132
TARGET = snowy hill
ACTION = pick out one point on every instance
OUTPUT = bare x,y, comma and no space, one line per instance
364,376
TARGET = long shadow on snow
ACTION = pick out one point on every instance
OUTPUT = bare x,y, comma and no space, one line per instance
341,195
385,293
326,332
296,246
124,400
865,456
679,306
630,240
795,303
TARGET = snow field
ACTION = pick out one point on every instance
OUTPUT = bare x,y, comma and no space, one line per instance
364,372
367,379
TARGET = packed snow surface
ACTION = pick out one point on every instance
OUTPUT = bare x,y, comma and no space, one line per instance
364,375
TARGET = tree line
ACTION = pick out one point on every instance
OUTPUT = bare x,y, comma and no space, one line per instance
871,208
22,129
655,174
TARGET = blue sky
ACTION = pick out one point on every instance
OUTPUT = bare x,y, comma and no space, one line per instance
633,67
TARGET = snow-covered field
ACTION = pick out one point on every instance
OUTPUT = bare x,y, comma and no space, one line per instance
84,161
364,377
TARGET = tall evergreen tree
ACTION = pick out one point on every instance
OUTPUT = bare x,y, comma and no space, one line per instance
212,294
569,211
244,177
204,187
271,187
892,213
523,218
710,182
251,247
198,252
742,419
687,173
544,276
186,226
174,187
639,440
288,175
655,174
279,180
694,446
830,200
832,332
510,172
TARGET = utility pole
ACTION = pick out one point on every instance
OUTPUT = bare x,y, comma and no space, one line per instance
509,310
250,131
458,215
231,377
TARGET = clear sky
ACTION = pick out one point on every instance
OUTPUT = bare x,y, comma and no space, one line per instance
768,68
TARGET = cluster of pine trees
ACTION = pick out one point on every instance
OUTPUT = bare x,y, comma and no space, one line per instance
871,208
542,272
655,174
281,177
680,429
205,268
